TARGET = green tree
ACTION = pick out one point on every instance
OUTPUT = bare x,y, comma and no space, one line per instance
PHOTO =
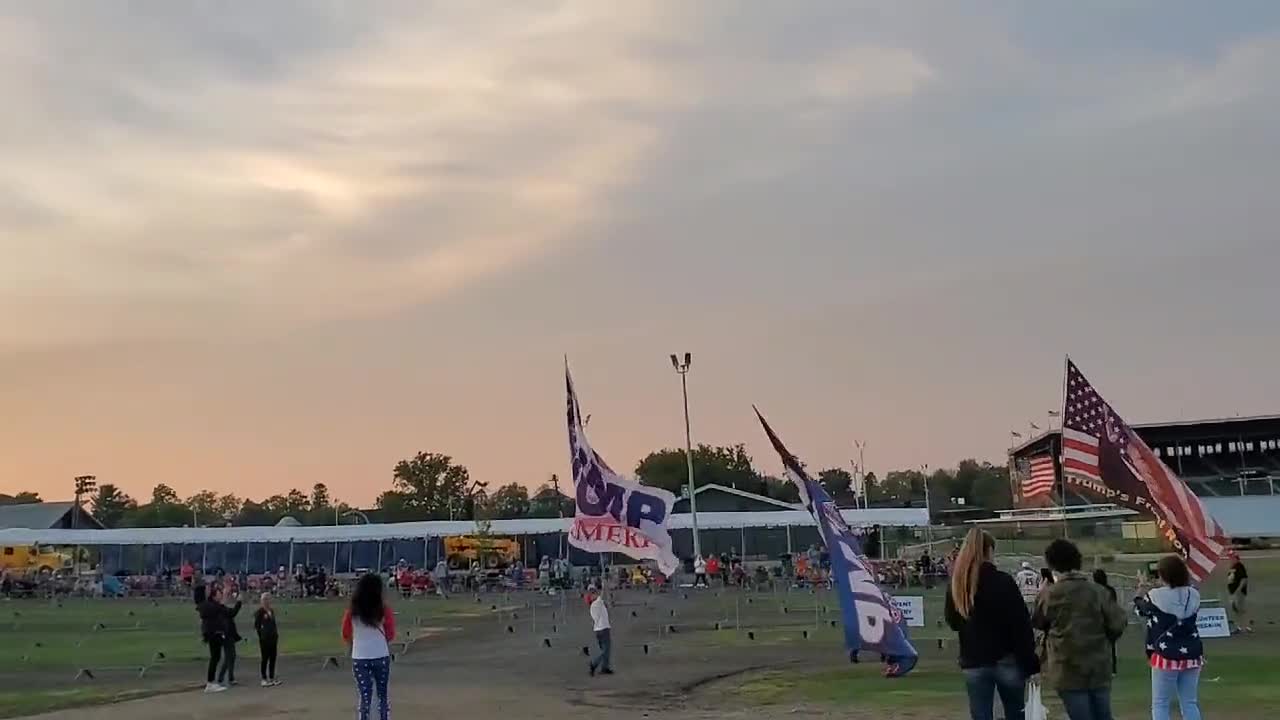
870,486
432,486
838,483
779,489
164,495
111,505
728,465
510,502
22,498
547,502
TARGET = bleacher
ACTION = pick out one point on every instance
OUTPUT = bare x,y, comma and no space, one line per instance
1230,457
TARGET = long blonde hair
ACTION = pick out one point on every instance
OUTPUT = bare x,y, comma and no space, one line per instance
977,549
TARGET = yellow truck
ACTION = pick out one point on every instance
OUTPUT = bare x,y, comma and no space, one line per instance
493,553
23,560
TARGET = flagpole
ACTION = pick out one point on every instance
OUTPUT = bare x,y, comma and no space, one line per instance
1062,449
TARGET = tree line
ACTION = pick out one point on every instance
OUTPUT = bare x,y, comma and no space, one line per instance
433,486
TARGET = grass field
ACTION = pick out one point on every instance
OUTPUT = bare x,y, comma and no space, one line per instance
44,645
1240,674
774,652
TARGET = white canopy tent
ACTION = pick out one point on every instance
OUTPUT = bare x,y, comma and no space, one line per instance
894,517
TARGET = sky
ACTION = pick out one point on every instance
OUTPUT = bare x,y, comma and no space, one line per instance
256,246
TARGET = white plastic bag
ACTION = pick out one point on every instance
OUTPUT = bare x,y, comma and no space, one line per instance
1035,705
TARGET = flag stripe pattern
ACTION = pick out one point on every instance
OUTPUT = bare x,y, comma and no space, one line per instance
1039,479
1100,452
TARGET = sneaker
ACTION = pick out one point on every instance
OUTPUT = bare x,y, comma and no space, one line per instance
266,683
214,688
606,671
275,682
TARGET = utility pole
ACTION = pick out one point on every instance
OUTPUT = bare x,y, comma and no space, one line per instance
85,485
862,472
555,485
683,369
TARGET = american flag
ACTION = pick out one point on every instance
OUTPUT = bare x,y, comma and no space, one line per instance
1139,480
1039,479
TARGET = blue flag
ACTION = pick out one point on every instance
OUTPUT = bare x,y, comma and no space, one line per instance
871,622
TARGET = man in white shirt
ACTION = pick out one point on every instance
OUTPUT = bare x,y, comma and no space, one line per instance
699,572
1028,581
600,624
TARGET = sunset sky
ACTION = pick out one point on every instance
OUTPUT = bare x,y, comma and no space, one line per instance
252,246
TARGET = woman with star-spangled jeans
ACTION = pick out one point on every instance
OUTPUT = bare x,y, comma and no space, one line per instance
367,627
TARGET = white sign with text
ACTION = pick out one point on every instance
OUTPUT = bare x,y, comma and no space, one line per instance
1212,623
912,608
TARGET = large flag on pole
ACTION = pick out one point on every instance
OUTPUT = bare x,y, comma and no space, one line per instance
615,514
1104,456
871,622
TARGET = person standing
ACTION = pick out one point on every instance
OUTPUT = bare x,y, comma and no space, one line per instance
997,646
1028,581
368,626
1080,621
600,625
227,671
1100,577
213,631
1238,588
1174,649
264,622
699,572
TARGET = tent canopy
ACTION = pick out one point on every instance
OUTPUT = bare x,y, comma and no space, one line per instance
894,517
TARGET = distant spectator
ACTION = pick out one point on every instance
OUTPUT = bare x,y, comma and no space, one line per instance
1028,583
1100,577
699,572
264,622
1238,588
1080,621
599,612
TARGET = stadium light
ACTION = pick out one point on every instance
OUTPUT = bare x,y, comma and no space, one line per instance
683,370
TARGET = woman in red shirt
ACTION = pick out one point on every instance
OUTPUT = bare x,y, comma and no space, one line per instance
368,627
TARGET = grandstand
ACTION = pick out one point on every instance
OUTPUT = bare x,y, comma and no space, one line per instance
1219,459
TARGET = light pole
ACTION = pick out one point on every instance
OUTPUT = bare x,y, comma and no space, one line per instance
862,472
928,529
85,485
683,369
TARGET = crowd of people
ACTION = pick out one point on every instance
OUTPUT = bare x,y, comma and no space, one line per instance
1060,631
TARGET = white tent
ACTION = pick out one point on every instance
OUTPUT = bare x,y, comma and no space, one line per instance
904,517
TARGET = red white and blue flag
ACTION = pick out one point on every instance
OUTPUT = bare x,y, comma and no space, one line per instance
1039,478
1103,455
614,514
871,622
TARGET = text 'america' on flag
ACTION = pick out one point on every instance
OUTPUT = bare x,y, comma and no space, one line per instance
1104,456
614,514
871,622
1039,478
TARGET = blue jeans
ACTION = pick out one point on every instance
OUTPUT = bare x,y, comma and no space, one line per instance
1092,704
983,683
1183,684
371,675
601,661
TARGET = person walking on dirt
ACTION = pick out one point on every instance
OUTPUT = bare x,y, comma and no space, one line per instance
227,671
264,622
600,625
368,627
213,630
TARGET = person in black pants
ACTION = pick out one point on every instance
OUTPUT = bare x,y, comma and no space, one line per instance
213,630
264,621
227,671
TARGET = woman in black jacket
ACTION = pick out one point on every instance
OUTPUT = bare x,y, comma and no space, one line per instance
213,630
227,672
264,622
997,647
